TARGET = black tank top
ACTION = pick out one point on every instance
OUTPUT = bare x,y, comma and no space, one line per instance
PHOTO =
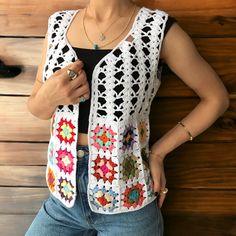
90,58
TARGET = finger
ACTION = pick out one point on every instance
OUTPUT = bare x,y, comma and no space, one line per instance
80,80
76,67
156,178
81,91
161,199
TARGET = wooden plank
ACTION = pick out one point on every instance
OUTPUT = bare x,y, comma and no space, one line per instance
207,23
178,177
205,178
18,124
15,224
199,224
198,155
202,155
220,53
178,201
13,153
184,5
23,176
21,84
210,18
22,200
165,112
199,201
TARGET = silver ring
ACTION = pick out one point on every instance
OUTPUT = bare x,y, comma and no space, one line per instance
82,99
72,74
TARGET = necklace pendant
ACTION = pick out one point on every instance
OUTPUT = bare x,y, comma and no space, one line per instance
95,46
102,37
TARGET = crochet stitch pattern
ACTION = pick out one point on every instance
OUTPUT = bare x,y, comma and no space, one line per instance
124,84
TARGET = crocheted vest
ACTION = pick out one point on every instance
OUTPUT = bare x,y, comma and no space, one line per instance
124,83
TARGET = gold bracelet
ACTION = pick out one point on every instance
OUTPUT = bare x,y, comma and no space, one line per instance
190,135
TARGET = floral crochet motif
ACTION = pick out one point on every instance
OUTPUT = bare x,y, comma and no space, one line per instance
65,161
103,198
66,189
66,131
128,139
130,167
103,138
51,179
104,169
142,131
133,196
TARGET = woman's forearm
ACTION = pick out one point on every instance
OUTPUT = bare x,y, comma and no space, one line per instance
197,121
40,106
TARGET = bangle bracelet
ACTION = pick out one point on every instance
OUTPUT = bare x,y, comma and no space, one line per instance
190,135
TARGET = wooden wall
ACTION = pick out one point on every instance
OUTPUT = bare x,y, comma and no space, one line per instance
201,175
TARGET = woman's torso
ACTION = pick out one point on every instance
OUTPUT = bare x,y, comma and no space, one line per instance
77,38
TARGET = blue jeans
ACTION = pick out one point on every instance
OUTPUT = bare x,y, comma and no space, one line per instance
54,219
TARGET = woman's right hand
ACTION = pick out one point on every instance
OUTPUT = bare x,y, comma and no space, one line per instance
59,89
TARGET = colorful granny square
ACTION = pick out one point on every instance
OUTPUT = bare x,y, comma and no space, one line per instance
66,189
133,196
104,198
128,138
66,131
65,161
130,167
104,169
103,138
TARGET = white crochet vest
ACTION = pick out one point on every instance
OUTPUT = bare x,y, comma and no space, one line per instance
118,133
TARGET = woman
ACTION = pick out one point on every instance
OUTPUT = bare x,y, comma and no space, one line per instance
102,176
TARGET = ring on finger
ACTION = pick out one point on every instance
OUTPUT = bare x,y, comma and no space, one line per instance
164,191
82,99
72,74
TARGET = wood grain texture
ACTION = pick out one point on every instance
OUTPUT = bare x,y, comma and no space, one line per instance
199,224
220,53
15,200
209,18
202,155
23,125
191,155
179,177
164,115
201,175
23,200
14,224
23,176
17,153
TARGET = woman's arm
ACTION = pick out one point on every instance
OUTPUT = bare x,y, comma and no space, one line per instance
58,88
37,102
182,57
179,52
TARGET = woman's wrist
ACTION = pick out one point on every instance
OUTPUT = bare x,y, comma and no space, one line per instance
157,154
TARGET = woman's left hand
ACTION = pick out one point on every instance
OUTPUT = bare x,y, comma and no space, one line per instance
158,175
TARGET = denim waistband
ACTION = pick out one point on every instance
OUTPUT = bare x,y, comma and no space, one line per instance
82,147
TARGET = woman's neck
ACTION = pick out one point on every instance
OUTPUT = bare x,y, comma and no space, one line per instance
109,9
